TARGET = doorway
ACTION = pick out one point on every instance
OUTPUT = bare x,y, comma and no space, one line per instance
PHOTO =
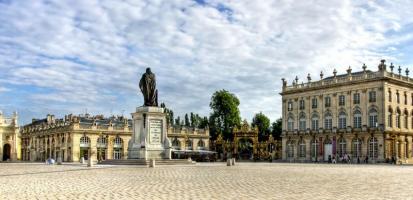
328,151
6,152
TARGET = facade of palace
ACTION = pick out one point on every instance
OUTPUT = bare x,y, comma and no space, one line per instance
360,114
74,137
9,137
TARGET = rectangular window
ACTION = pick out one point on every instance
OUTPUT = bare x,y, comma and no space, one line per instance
314,103
290,126
342,123
328,123
302,104
314,124
372,96
302,126
341,100
357,122
356,98
390,96
327,102
290,106
373,121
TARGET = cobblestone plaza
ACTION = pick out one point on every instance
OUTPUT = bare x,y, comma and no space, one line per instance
206,181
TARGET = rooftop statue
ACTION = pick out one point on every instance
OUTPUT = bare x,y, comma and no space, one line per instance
147,84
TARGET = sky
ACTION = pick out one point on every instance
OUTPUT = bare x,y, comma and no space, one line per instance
77,56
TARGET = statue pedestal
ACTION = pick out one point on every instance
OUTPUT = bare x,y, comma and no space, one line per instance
149,139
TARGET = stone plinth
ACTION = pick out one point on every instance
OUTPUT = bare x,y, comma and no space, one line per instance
149,139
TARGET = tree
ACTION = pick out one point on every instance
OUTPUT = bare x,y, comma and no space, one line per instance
169,114
203,123
178,121
262,122
276,129
225,114
187,123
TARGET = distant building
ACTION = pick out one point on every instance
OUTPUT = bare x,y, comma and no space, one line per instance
361,114
9,137
74,137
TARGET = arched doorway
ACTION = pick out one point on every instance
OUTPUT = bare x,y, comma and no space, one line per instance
328,150
6,152
245,148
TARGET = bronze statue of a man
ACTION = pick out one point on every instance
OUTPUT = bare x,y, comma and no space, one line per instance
147,84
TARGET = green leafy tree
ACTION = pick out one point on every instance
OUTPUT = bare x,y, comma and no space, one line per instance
169,114
178,121
187,122
276,129
225,114
262,122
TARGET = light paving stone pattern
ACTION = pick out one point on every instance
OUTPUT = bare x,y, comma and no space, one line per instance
206,181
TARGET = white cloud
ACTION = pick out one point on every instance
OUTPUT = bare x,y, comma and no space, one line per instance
92,53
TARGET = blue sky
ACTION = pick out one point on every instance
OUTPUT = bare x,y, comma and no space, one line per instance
64,57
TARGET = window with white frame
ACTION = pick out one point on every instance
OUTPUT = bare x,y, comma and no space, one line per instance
356,147
290,124
373,148
314,102
341,147
290,106
328,121
357,119
290,149
302,122
356,98
301,149
302,104
372,96
341,100
342,120
373,118
327,101
314,148
314,122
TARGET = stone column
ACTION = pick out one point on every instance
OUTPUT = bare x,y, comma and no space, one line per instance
409,146
402,147
284,148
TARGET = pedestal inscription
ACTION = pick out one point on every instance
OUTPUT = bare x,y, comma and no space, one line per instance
155,131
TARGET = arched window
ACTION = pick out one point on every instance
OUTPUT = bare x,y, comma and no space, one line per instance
328,121
341,147
102,142
406,119
356,147
201,144
302,122
290,149
398,118
301,149
373,118
314,148
342,120
373,148
357,119
84,141
314,122
390,118
176,144
290,124
118,142
188,144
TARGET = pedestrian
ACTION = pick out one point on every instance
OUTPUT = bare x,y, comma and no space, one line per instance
358,159
366,160
334,159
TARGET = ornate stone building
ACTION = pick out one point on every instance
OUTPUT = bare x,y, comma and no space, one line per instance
361,114
9,137
74,137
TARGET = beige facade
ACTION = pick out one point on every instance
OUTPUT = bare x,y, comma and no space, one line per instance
366,114
9,138
102,138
